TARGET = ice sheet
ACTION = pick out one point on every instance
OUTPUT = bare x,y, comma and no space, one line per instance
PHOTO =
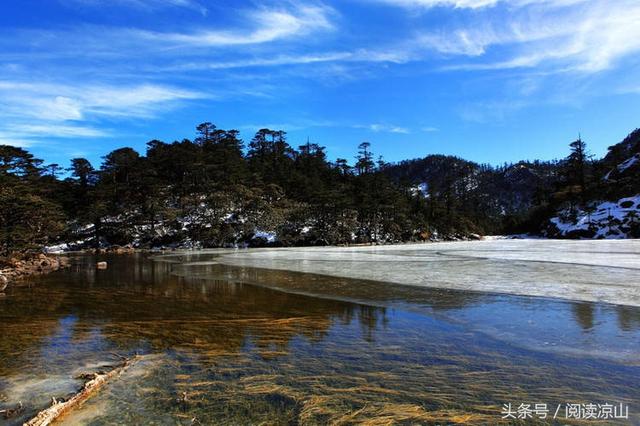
596,271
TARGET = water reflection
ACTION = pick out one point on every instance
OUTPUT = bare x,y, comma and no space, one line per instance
529,314
628,318
585,315
246,354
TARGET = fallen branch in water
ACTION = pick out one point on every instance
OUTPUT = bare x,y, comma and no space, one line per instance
96,381
12,412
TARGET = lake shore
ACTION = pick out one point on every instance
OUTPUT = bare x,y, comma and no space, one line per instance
39,264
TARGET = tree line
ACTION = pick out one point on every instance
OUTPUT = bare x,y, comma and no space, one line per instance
215,191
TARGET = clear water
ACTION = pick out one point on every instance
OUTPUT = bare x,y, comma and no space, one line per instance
256,346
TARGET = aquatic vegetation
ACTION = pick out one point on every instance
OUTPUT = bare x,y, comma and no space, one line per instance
220,351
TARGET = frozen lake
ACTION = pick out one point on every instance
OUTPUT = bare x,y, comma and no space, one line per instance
593,271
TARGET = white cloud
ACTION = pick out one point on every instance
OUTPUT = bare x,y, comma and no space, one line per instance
27,134
13,141
473,4
64,102
269,62
360,55
384,128
589,38
55,130
306,124
267,25
137,101
57,108
292,22
32,112
491,111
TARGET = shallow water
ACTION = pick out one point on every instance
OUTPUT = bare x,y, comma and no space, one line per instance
254,346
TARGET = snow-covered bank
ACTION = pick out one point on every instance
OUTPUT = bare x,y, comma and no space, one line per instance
602,271
612,220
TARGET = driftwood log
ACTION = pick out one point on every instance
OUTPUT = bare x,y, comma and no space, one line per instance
97,380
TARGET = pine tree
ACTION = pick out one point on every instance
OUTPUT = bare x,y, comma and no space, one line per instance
577,170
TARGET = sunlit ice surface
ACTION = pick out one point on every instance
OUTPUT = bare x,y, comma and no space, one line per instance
250,345
595,271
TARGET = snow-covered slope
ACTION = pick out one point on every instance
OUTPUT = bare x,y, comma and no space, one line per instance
619,219
632,162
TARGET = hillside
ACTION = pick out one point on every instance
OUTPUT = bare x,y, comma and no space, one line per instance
613,210
559,199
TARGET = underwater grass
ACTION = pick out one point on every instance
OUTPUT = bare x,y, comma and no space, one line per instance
225,353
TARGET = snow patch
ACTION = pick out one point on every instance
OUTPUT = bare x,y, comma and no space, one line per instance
620,168
611,220
628,163
270,237
420,189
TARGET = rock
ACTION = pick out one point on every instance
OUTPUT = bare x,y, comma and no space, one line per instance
101,265
39,264
4,282
115,249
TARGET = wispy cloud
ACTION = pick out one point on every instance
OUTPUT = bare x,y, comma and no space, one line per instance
491,111
59,92
280,60
359,55
291,23
62,102
587,39
14,141
54,130
384,128
149,5
80,77
27,135
266,25
473,4
72,111
307,124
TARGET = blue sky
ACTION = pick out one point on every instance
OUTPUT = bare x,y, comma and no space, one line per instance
488,80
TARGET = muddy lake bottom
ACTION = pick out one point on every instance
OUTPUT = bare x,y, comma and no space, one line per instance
235,345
